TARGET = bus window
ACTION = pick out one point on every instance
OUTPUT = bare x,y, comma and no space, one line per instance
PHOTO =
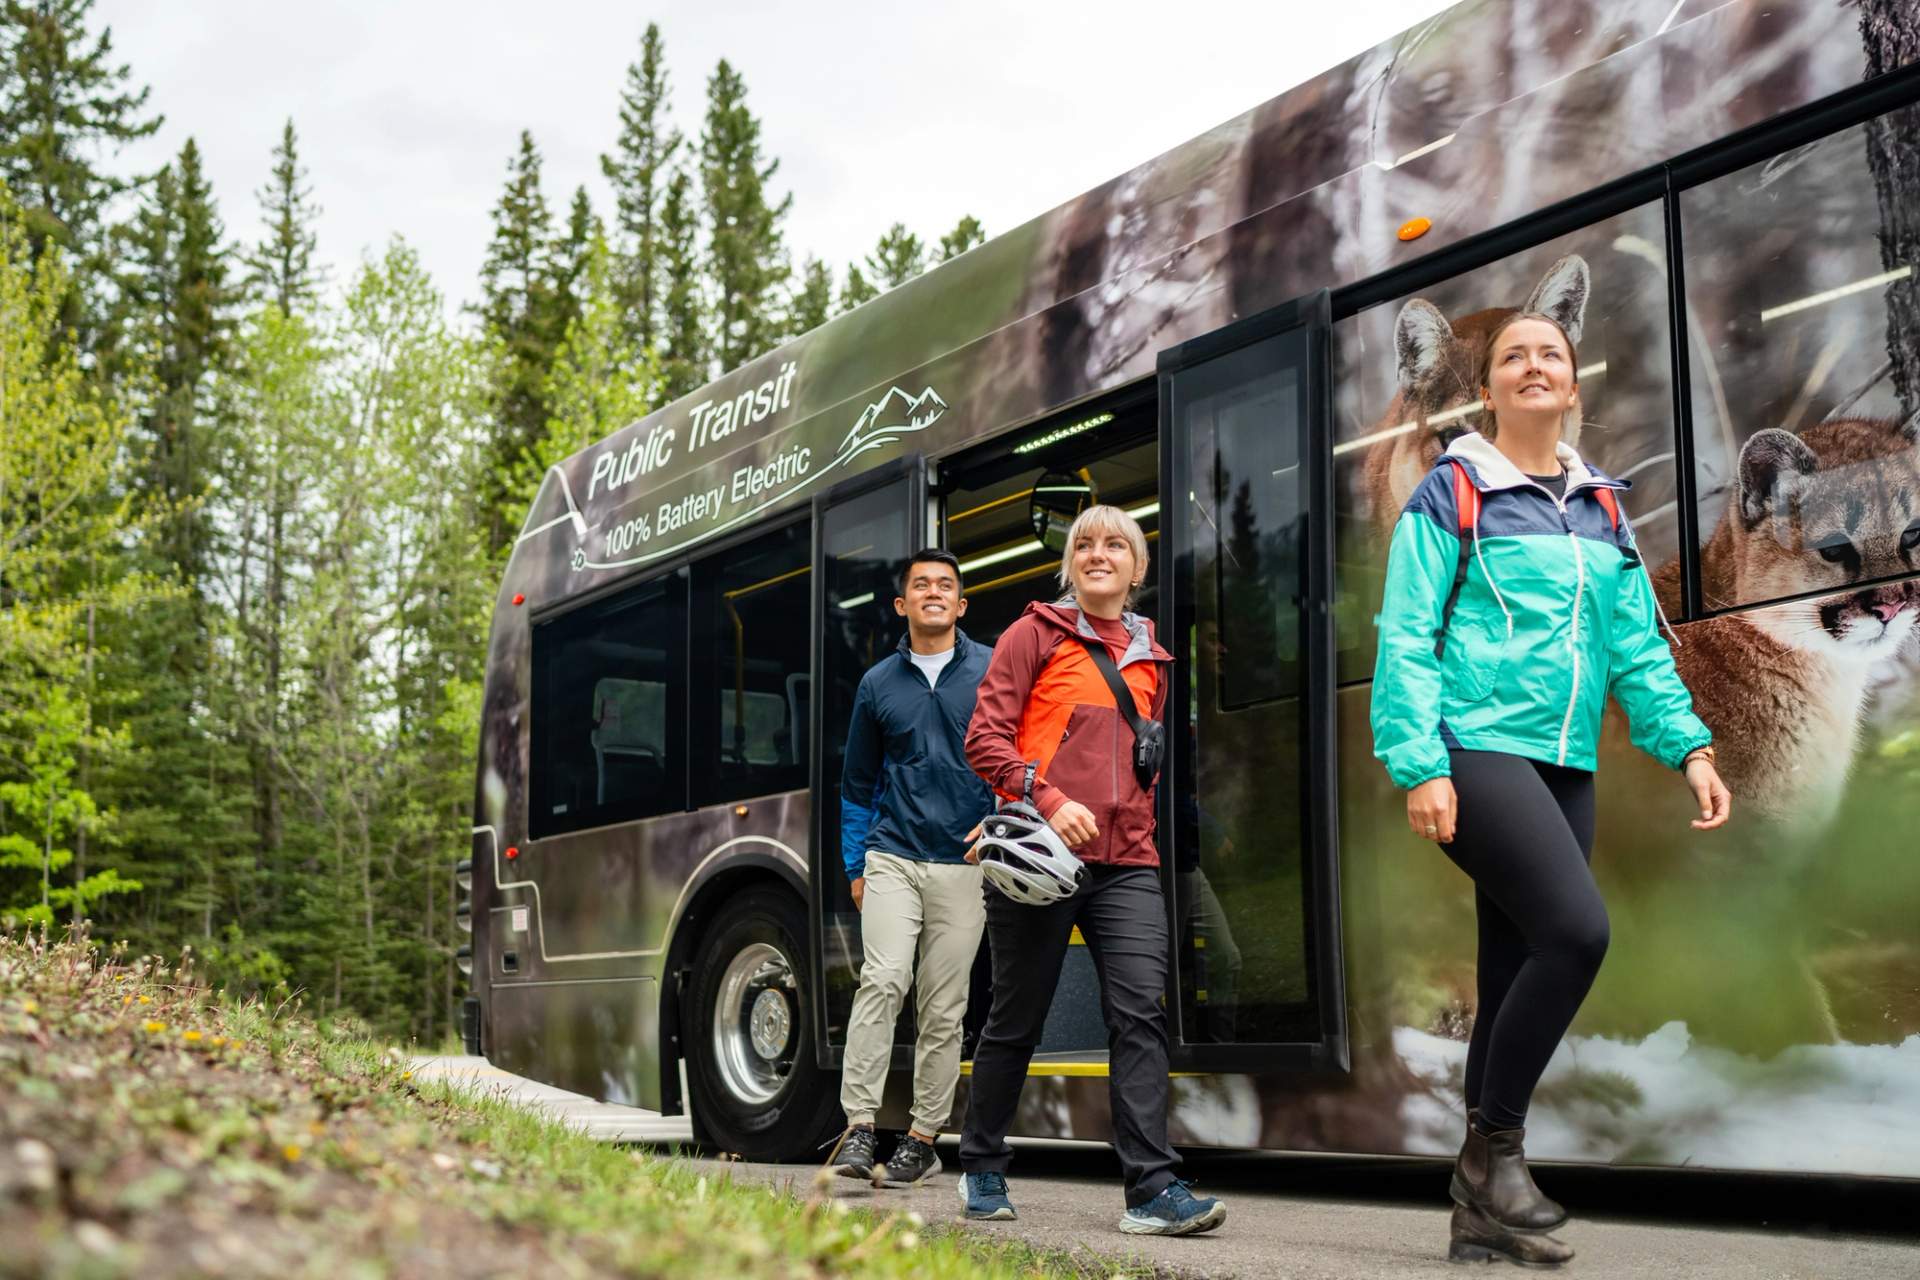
750,652
1404,375
1256,543
1807,478
607,679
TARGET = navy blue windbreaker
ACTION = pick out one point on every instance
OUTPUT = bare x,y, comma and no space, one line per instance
906,788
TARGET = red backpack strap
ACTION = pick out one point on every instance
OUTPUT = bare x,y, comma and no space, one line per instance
1466,498
1466,503
1612,504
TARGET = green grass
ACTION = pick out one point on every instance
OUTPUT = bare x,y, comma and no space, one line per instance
149,1127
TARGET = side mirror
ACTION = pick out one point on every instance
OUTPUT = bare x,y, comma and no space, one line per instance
1058,497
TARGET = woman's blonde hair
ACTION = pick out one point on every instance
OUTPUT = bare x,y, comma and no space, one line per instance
1099,522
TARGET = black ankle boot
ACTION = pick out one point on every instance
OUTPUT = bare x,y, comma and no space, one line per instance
1491,1176
1478,1238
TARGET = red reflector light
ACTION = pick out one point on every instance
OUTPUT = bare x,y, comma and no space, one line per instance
518,598
513,851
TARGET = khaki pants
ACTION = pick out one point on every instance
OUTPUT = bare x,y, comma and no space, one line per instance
935,907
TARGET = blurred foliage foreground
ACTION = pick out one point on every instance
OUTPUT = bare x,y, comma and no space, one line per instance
151,1127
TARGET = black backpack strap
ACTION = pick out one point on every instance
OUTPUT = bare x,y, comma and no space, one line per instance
1116,685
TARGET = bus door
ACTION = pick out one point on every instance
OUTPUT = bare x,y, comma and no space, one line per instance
1247,801
863,529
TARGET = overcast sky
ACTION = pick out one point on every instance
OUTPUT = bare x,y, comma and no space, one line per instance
408,109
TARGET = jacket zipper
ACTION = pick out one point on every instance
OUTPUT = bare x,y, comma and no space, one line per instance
1573,630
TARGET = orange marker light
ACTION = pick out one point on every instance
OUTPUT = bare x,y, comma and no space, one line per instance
520,599
513,851
1414,228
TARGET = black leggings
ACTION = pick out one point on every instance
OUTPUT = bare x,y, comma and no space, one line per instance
1524,835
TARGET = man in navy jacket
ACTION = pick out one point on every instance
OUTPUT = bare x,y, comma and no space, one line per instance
908,801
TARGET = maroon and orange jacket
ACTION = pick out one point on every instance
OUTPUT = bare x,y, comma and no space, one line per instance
1044,702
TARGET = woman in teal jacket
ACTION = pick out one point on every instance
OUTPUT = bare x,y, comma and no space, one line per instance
1515,603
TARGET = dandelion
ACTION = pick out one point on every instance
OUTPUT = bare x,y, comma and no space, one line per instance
146,999
155,1027
191,1037
290,1152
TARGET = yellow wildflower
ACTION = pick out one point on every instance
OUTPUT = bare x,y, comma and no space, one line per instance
126,1000
154,1028
146,999
291,1152
31,1007
406,1075
190,1037
217,1041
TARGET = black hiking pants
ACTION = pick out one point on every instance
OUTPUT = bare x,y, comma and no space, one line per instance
1123,917
1524,835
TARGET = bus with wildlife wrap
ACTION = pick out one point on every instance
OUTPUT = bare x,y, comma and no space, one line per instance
1258,345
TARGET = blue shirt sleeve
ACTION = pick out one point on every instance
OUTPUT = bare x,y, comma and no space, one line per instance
860,783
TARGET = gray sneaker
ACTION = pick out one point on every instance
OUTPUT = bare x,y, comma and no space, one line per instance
913,1162
856,1155
1174,1212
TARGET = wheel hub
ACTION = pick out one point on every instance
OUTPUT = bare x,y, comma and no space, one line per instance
753,1023
769,1024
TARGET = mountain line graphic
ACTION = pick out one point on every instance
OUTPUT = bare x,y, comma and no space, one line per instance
895,412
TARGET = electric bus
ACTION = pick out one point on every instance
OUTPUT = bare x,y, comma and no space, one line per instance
1257,344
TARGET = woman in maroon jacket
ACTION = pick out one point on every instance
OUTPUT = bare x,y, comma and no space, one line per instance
1046,729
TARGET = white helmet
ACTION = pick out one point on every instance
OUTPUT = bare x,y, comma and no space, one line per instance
1022,857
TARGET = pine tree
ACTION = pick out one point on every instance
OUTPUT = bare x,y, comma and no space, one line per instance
177,310
567,261
965,235
856,289
281,269
63,103
517,309
183,825
812,304
683,356
600,380
747,262
638,170
897,258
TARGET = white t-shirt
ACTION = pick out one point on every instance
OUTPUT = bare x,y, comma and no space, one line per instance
931,663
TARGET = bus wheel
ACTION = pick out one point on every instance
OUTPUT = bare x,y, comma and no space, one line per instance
757,1091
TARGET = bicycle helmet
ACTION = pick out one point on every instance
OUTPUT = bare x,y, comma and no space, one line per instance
1022,857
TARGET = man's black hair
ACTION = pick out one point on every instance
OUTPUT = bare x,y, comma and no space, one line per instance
935,555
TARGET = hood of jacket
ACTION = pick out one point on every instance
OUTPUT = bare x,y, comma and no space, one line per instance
1067,615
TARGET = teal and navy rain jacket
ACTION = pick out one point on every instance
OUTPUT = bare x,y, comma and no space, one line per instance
1556,612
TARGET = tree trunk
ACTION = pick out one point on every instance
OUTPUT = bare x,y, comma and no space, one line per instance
1890,33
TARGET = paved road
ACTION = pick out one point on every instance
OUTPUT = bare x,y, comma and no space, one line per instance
1300,1216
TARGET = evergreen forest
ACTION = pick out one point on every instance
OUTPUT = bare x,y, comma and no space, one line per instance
252,517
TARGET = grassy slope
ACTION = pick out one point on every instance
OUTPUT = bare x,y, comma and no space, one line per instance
150,1128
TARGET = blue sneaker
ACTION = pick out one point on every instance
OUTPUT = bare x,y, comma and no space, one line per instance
985,1195
1174,1212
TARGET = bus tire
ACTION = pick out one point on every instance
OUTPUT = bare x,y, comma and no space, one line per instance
757,1091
